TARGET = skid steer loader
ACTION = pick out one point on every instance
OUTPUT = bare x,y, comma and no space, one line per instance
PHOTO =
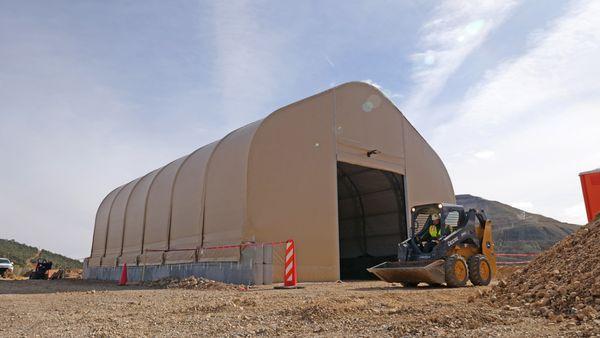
464,251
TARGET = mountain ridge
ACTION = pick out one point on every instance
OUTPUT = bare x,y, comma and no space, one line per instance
516,230
21,254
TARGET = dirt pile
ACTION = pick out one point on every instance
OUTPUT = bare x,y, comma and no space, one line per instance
73,273
8,274
66,273
11,275
196,283
561,283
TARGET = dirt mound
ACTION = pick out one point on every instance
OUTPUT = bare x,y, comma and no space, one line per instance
65,274
73,273
196,283
561,283
8,274
11,275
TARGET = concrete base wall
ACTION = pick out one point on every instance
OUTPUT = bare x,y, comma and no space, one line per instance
254,268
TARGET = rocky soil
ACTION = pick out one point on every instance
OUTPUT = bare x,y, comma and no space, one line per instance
562,284
84,308
195,283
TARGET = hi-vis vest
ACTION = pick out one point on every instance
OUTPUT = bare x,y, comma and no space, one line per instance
433,231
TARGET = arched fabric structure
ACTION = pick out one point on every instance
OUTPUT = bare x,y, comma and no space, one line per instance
158,213
135,220
116,225
272,180
101,228
187,218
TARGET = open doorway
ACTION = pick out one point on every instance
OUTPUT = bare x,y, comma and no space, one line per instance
371,217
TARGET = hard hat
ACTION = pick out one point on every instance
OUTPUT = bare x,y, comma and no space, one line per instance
435,217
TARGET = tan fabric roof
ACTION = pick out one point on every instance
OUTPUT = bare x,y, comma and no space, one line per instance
271,180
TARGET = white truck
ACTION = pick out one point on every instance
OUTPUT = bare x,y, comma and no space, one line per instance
5,265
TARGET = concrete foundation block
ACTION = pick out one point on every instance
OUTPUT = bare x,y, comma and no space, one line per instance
249,270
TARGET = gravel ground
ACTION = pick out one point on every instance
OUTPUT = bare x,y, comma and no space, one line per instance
84,308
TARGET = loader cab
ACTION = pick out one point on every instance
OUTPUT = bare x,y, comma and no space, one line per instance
452,217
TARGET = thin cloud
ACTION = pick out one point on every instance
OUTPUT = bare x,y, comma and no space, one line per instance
523,205
484,154
248,64
329,61
539,112
455,29
576,213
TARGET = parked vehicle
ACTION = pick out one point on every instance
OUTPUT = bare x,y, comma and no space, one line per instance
5,265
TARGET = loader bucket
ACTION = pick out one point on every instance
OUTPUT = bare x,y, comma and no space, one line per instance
431,272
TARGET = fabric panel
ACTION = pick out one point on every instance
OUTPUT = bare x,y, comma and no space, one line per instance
101,225
187,217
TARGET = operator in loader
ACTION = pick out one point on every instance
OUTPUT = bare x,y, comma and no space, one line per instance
433,234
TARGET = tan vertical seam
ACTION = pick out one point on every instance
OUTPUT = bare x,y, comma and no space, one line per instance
112,203
125,212
173,195
210,157
146,205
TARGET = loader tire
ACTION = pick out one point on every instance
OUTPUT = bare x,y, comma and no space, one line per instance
480,271
457,272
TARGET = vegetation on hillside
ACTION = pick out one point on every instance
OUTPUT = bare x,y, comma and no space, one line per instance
20,254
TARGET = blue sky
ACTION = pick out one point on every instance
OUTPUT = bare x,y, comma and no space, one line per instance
96,93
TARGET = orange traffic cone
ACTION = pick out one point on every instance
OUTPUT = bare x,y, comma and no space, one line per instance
123,280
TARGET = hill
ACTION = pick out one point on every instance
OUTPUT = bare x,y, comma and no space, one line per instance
20,254
518,231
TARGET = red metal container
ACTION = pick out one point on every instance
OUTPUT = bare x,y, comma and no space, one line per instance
590,184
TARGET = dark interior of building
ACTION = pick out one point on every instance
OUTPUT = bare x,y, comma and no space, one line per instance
371,215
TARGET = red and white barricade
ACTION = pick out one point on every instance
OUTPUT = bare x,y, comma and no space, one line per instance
290,274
